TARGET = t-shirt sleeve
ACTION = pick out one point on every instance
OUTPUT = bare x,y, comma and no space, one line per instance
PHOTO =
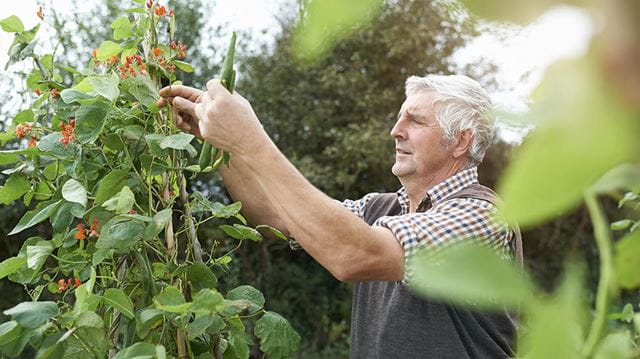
446,224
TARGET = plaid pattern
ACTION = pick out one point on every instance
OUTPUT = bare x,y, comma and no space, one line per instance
439,224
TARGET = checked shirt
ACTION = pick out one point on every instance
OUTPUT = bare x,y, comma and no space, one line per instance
439,223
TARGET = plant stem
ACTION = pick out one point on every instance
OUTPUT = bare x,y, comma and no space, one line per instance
606,284
191,233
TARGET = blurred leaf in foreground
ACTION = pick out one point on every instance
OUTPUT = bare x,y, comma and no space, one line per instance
556,325
470,275
324,22
583,132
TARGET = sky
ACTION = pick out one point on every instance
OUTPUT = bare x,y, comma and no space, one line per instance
521,53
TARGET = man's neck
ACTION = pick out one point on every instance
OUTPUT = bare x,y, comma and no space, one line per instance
417,188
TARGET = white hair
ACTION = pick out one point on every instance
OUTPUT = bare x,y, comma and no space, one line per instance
461,104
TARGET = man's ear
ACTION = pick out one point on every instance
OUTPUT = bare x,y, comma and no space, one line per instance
463,144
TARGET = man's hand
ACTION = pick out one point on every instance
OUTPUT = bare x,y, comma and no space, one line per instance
175,94
225,120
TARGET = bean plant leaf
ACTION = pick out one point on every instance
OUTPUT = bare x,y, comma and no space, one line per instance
558,163
14,187
183,66
121,28
277,338
625,176
90,121
179,141
74,191
32,314
148,319
621,224
201,277
207,301
249,293
171,300
12,24
126,200
37,255
138,350
107,49
117,299
106,86
11,265
111,184
51,144
627,252
31,218
469,275
120,233
615,346
71,95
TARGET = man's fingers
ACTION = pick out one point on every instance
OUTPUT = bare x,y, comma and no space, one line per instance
185,106
187,92
215,89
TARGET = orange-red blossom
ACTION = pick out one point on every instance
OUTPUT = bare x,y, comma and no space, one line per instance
67,132
64,285
81,232
40,13
23,128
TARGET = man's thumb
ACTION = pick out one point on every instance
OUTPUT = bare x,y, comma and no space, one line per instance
184,105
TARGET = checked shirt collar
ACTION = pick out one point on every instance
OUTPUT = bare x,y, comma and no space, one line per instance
440,191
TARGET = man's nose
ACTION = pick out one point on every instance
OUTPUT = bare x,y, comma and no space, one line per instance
398,129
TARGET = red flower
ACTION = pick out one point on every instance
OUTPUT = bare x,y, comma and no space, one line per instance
94,228
149,4
55,93
170,13
94,53
81,233
37,92
133,211
62,285
77,282
180,48
32,142
156,51
160,11
67,132
40,13
23,128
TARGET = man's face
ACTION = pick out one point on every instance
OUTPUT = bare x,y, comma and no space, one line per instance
420,149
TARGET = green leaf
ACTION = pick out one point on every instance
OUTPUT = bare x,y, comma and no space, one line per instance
140,350
23,116
70,95
142,89
627,252
73,191
9,332
171,300
31,218
32,314
621,225
126,200
327,22
179,141
250,294
106,86
277,338
63,217
199,326
146,320
11,265
78,348
625,176
469,274
207,301
615,346
160,220
107,49
117,299
89,319
274,231
37,255
120,233
238,344
183,66
121,28
552,170
242,232
51,144
12,24
201,277
153,141
110,185
14,187
90,121
556,325
13,338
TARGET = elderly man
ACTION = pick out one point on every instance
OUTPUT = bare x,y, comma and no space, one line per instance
441,134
